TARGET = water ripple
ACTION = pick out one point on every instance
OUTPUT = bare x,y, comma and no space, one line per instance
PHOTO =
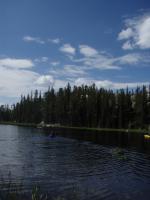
68,167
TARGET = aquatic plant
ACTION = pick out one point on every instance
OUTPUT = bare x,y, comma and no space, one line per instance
37,195
119,153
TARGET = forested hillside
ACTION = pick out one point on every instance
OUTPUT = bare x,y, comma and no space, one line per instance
83,106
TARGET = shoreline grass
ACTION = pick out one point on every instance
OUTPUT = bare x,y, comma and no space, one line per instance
76,128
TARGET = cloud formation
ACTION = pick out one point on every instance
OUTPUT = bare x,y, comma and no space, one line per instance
68,71
33,39
55,63
43,59
17,81
45,80
54,41
88,51
92,58
108,84
16,63
17,77
14,82
136,33
68,48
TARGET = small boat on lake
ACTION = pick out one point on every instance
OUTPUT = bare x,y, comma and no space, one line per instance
52,135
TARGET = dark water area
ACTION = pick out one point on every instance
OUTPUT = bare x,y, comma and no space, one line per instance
124,139
76,165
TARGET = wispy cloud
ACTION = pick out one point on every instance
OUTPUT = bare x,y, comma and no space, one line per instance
49,80
55,63
55,40
41,41
33,39
16,63
43,59
92,58
16,81
68,71
136,33
68,48
108,84
130,59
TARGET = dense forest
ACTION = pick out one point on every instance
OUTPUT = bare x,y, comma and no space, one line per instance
83,106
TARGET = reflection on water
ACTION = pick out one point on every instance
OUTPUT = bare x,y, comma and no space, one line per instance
64,166
121,139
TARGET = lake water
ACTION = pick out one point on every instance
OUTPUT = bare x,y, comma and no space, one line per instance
73,168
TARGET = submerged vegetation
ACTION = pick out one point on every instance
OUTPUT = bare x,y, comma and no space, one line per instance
15,193
119,154
83,106
12,191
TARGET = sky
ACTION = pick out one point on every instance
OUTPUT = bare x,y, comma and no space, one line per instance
52,42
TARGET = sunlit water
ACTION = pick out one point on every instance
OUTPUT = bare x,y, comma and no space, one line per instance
72,168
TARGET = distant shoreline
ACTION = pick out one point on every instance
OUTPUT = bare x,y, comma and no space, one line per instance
75,128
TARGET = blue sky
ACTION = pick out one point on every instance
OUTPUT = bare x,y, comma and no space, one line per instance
52,42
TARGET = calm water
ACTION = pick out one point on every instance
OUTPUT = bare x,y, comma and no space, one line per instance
68,167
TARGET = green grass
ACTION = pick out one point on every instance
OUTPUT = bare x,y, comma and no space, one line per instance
106,129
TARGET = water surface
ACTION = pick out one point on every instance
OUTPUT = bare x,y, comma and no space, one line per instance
73,168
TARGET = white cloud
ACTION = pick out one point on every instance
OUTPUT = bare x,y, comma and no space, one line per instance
59,83
119,85
14,82
73,70
101,62
83,81
55,63
136,33
131,59
67,48
144,34
40,41
54,41
16,78
128,45
17,81
108,84
16,63
68,71
93,58
33,39
43,59
88,51
125,34
45,80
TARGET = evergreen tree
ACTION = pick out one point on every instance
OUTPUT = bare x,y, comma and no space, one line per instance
83,106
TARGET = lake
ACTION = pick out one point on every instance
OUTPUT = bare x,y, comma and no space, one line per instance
74,167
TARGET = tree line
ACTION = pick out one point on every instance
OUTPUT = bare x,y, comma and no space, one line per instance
84,105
